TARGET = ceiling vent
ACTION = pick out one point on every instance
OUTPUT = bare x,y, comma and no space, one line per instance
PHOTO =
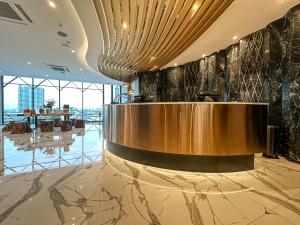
60,69
13,13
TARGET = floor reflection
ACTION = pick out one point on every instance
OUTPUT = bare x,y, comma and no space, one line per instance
38,151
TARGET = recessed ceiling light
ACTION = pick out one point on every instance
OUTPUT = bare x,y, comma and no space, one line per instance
73,51
80,69
203,55
29,63
125,25
52,4
175,64
235,37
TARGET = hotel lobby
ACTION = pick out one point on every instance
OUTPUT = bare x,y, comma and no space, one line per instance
150,112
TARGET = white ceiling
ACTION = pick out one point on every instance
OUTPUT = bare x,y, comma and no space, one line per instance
39,43
241,18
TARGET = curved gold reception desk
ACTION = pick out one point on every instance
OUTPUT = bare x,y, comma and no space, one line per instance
188,136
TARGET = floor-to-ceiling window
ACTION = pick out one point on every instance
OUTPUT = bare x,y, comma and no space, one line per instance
45,90
116,93
107,94
85,100
17,96
71,94
124,92
92,101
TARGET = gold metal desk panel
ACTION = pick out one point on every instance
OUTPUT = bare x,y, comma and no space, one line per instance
205,129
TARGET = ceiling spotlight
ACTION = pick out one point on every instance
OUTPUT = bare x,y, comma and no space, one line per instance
73,51
29,63
175,64
80,69
125,25
52,4
203,55
152,58
235,37
196,6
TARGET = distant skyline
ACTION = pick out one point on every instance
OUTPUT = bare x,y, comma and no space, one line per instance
25,97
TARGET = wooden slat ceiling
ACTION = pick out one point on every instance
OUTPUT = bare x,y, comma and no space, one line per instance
143,35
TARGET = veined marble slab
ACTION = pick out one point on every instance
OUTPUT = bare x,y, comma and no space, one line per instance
118,191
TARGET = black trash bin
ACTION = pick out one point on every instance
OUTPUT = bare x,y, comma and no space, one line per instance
272,141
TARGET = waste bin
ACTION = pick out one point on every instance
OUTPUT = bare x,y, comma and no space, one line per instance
272,140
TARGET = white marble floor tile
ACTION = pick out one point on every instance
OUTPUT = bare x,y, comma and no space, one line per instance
116,191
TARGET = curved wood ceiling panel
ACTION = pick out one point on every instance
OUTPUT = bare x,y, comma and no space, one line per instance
141,35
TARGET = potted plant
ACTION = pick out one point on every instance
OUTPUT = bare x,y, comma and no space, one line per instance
50,103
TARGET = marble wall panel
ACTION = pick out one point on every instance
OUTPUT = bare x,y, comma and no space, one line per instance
251,67
150,85
262,67
192,81
232,73
292,89
175,84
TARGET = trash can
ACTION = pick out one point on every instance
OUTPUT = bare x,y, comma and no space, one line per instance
272,141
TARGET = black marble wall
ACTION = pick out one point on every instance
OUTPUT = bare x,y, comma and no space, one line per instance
150,85
262,67
291,83
192,81
232,74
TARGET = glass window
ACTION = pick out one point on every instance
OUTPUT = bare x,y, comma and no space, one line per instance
71,96
116,93
45,90
107,94
92,103
85,100
124,91
7,79
17,97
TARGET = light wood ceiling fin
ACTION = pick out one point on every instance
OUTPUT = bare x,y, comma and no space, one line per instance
141,35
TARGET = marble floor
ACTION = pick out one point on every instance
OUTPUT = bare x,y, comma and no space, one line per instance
111,190
38,151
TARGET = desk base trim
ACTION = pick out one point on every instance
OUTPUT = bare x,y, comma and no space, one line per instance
193,163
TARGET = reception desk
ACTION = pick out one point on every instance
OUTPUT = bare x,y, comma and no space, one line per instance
209,137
